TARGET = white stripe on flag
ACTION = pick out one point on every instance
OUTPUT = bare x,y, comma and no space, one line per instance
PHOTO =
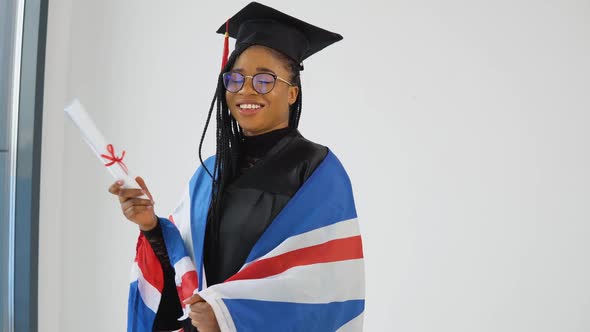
339,230
149,294
226,323
181,267
182,220
354,325
316,283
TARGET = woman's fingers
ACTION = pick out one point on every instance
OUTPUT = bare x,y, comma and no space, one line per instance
129,197
203,317
136,201
198,311
115,187
133,210
125,193
136,209
144,187
200,307
194,299
130,192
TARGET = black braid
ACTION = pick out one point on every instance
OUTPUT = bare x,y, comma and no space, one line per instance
229,134
295,109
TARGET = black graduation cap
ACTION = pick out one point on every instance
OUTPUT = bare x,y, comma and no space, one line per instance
257,24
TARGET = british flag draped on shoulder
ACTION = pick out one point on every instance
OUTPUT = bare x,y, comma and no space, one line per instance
305,273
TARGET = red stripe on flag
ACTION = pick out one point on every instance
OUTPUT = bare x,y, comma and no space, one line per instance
332,251
187,286
171,219
148,263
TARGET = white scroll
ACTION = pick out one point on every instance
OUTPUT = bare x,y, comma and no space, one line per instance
105,152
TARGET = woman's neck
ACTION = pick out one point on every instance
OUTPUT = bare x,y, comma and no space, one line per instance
257,146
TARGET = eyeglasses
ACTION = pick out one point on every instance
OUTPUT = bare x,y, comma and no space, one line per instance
262,83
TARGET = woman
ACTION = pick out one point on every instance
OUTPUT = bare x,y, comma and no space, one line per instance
273,243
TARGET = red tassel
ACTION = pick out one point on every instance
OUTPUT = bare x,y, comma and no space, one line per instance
225,46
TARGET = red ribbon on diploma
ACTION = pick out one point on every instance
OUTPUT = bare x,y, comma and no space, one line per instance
114,159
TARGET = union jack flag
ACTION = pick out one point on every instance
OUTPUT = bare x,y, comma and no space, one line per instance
305,273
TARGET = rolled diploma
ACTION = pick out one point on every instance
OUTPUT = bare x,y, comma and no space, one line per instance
97,143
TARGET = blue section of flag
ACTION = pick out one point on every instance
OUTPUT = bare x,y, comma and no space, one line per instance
328,187
200,196
139,317
285,316
174,246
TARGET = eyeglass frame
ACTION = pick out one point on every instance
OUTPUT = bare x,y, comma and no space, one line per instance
275,76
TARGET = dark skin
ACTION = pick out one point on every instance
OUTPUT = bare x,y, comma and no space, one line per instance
272,115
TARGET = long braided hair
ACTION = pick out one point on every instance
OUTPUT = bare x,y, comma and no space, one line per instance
229,134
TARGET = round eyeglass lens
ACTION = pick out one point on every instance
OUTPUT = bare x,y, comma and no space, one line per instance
263,82
233,82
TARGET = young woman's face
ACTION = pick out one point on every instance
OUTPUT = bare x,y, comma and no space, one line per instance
261,113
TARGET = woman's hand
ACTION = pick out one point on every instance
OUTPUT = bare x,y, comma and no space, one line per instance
202,315
138,210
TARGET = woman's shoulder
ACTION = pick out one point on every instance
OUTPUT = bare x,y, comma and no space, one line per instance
320,155
305,150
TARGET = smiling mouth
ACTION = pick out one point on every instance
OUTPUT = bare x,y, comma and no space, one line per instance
250,108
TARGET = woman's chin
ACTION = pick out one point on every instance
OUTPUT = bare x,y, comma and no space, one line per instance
252,132
250,128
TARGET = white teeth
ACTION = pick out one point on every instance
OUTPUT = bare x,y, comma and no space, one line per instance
250,106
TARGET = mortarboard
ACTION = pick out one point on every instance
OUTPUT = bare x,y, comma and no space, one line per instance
257,24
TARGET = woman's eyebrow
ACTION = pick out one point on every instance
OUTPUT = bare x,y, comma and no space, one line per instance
258,69
264,69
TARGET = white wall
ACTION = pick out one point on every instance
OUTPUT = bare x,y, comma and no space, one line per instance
463,126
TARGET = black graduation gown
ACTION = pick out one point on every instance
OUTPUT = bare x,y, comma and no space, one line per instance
249,204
